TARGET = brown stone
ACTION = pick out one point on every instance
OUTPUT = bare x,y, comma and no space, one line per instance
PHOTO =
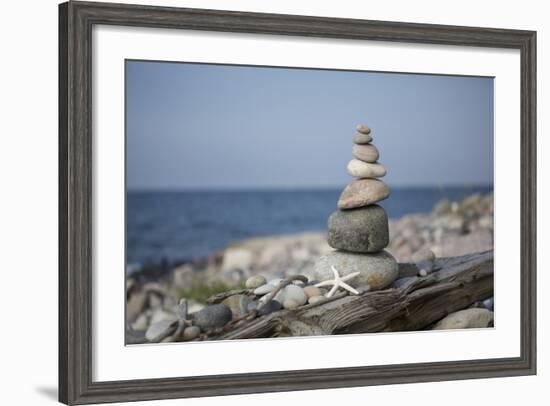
363,192
365,152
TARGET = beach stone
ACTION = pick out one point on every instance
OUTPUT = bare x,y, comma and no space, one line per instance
365,152
363,129
238,304
311,291
468,318
315,299
255,282
236,258
160,330
213,316
191,332
264,289
362,230
361,169
141,322
270,307
362,192
377,270
290,304
361,138
292,292
160,315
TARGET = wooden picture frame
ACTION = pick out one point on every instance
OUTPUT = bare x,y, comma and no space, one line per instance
76,20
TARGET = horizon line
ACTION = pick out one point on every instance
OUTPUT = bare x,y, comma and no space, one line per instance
297,188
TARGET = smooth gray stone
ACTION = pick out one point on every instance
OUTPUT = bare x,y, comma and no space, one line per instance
213,316
377,270
270,307
361,138
361,230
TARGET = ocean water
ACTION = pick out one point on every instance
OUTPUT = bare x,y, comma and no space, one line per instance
176,226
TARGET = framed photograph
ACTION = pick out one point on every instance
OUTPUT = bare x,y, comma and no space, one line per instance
258,202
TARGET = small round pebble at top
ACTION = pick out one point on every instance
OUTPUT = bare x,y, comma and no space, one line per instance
362,128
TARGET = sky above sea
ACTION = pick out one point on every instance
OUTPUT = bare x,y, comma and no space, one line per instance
200,126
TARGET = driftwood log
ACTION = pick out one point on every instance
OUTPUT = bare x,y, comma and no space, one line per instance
412,303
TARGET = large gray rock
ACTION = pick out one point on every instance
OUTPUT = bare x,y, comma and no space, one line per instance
360,230
468,318
362,192
213,316
377,270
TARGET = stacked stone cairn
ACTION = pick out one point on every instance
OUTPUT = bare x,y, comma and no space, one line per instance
358,230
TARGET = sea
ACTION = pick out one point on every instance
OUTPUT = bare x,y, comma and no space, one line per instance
170,227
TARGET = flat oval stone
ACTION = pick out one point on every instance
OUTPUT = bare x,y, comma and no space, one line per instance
362,169
468,318
311,291
213,316
362,192
264,289
362,128
365,152
191,332
160,330
377,270
255,281
361,230
361,138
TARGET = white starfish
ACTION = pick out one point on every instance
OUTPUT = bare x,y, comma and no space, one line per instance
339,282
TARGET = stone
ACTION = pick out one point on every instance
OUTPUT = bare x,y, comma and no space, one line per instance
160,315
361,138
361,169
290,304
311,291
264,289
270,307
363,129
238,304
424,260
316,299
213,316
468,318
160,330
135,305
361,230
377,270
362,192
292,292
141,322
255,281
365,152
191,332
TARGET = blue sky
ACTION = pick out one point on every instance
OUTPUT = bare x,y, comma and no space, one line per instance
197,126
